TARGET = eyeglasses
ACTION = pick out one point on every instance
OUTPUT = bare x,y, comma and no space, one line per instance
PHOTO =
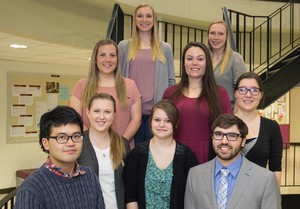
217,135
63,138
253,91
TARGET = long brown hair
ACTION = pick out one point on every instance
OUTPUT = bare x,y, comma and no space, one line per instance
93,77
157,52
117,148
208,85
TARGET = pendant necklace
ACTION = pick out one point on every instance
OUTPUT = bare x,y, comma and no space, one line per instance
105,152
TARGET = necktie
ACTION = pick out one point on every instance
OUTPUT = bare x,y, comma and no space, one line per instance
222,189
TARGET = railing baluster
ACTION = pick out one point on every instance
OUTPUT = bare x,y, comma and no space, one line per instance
9,199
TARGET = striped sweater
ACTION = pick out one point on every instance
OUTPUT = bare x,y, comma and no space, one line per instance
46,190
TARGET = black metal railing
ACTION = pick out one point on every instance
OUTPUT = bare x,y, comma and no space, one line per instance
264,40
116,24
9,200
178,36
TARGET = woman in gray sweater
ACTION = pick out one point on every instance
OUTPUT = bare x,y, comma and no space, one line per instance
149,62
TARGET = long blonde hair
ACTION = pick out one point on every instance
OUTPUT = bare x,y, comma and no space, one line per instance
157,52
117,148
227,50
93,77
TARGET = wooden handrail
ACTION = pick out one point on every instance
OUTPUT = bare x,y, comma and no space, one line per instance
9,199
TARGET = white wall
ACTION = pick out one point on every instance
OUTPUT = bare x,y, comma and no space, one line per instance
23,155
66,22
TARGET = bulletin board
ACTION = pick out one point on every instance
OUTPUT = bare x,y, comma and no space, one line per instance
29,96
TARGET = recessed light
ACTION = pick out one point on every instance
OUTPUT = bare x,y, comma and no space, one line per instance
18,46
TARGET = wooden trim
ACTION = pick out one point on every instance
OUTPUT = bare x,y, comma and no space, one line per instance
6,190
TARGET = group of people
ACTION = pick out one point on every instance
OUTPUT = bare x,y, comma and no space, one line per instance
133,138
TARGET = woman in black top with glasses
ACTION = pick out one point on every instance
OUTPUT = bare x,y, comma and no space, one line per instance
264,141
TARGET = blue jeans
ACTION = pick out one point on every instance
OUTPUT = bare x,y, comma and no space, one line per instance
144,133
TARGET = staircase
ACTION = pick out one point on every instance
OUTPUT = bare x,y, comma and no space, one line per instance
271,46
283,76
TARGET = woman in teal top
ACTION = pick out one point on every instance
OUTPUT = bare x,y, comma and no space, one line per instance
155,171
158,184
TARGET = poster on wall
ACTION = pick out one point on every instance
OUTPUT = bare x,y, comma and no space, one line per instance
29,96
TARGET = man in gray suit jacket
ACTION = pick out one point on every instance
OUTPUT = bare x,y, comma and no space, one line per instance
248,186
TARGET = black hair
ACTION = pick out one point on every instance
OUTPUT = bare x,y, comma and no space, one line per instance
60,115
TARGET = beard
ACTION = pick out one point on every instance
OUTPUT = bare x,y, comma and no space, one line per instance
231,154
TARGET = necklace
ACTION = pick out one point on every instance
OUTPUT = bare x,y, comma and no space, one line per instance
105,152
102,153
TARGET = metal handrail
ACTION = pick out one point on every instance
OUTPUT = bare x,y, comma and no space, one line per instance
227,20
116,24
255,34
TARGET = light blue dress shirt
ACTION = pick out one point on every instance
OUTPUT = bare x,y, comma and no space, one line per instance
233,168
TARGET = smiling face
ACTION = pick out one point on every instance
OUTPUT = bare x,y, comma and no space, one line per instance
217,36
248,102
161,125
144,19
195,62
63,155
101,114
228,151
107,59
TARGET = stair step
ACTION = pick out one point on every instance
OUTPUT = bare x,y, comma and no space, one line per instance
271,72
290,59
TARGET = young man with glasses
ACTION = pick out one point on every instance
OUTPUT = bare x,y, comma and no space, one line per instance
61,182
230,180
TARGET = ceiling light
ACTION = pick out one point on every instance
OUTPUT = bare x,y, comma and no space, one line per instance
18,46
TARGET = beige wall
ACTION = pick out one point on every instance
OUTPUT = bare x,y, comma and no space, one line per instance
295,114
207,10
81,23
23,155
66,22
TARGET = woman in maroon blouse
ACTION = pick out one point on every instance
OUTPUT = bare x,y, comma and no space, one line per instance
198,99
